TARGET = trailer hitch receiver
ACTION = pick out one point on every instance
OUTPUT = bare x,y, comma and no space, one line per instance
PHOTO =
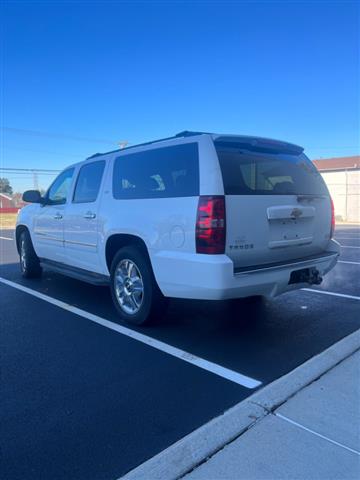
306,275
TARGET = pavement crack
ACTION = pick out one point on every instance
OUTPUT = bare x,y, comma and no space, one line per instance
267,410
257,419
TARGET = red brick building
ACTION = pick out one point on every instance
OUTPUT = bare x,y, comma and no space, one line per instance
7,204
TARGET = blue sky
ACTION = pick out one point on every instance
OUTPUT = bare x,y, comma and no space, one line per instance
142,70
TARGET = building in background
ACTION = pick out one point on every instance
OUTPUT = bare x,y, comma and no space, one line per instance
10,203
6,202
342,176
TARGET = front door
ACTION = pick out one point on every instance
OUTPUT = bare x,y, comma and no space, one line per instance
49,222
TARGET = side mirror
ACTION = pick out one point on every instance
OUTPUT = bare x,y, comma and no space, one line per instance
32,196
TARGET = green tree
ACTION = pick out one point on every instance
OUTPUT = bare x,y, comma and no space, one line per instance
5,186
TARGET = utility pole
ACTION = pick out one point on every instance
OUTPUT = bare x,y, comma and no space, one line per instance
35,180
123,144
346,194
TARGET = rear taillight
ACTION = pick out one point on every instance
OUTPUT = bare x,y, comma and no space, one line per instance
211,225
332,218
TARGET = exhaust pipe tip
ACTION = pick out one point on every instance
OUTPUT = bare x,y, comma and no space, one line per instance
315,278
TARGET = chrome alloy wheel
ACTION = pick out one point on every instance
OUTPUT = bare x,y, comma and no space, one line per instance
129,287
23,255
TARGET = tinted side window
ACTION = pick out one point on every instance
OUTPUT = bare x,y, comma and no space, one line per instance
88,182
58,192
159,173
247,173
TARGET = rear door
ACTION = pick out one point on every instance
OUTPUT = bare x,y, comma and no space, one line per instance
277,205
81,226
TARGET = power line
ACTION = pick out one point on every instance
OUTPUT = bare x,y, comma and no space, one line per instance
25,174
37,133
21,176
32,170
46,152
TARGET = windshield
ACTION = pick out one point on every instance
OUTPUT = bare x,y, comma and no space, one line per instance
253,173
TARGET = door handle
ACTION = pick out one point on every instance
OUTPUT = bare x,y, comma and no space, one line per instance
58,216
90,215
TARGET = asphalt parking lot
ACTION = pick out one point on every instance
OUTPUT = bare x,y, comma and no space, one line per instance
83,397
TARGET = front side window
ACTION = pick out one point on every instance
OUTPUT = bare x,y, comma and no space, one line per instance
158,173
88,182
59,190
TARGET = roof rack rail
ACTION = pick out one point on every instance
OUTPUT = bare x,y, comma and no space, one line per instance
188,133
185,133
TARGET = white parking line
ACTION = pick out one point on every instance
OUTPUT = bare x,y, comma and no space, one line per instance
347,246
223,372
6,238
324,292
350,263
346,226
279,415
348,238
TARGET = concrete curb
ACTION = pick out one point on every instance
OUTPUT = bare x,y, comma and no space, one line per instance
184,455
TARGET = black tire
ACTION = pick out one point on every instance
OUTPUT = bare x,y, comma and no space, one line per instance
150,303
29,261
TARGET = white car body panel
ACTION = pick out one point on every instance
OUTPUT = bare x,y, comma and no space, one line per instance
200,277
48,233
262,224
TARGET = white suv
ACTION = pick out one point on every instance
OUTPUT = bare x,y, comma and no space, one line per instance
198,215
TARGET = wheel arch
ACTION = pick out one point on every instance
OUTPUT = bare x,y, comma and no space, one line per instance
120,240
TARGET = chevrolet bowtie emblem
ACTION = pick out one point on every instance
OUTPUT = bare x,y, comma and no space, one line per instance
296,213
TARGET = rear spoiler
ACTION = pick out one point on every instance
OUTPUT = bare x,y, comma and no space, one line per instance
265,145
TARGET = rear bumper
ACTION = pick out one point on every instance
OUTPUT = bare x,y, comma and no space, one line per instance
210,277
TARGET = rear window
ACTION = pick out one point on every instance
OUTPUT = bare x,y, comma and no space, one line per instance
252,173
158,173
